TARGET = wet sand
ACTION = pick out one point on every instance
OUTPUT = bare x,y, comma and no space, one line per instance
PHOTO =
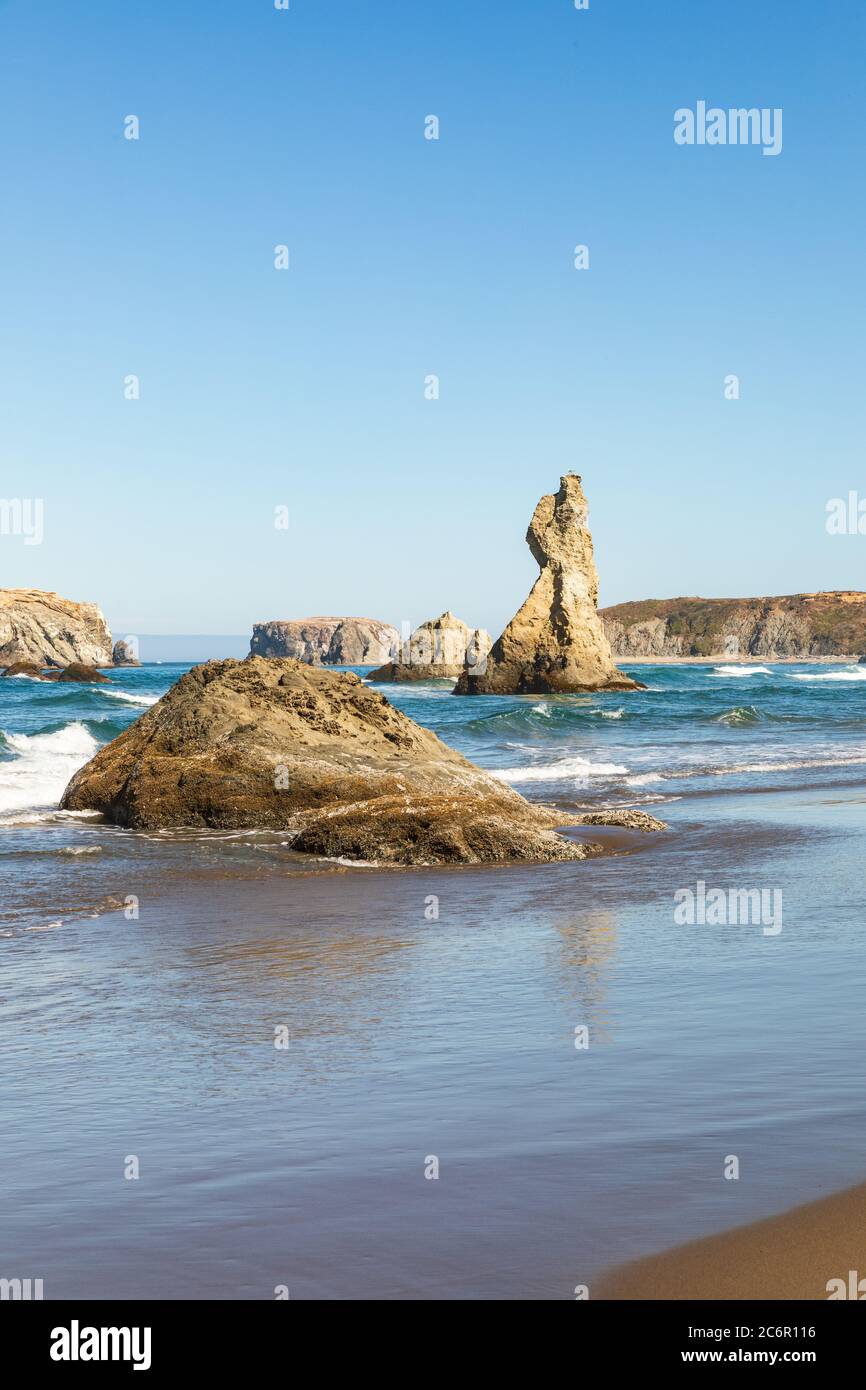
792,1256
437,1012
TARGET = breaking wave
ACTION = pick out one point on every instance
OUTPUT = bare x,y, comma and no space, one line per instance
851,673
35,776
742,671
564,770
130,698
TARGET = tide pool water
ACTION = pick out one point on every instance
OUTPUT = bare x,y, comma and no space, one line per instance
581,1066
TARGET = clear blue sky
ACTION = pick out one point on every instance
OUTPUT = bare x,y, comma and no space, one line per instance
409,257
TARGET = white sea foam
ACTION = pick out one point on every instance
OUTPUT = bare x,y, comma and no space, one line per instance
565,770
541,709
36,776
610,713
851,673
130,697
854,759
741,671
49,817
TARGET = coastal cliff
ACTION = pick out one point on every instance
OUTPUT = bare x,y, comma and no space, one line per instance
47,630
830,623
555,643
327,641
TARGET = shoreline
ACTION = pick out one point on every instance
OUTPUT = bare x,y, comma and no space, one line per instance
723,659
396,1015
434,1015
794,1255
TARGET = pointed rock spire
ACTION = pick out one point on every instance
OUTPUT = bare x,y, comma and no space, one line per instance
556,642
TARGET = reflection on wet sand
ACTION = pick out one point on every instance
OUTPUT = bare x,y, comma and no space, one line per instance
581,954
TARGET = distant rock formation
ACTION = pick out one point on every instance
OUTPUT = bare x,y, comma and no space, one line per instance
25,668
361,642
278,744
556,642
124,654
74,672
794,625
51,631
439,649
331,641
78,671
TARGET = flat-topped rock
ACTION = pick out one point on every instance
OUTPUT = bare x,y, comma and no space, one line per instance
48,630
329,641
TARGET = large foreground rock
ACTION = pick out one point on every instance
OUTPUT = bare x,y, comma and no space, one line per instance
556,642
440,649
277,744
48,630
329,641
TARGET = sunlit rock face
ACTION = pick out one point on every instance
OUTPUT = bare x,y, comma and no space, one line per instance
556,642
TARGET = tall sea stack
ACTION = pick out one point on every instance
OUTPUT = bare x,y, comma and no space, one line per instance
556,642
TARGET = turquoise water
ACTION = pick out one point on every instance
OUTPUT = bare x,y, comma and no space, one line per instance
451,1038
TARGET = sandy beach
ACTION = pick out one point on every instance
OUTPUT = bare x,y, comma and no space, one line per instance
432,675
448,1034
793,1256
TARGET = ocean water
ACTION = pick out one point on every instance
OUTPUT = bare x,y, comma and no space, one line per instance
144,977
